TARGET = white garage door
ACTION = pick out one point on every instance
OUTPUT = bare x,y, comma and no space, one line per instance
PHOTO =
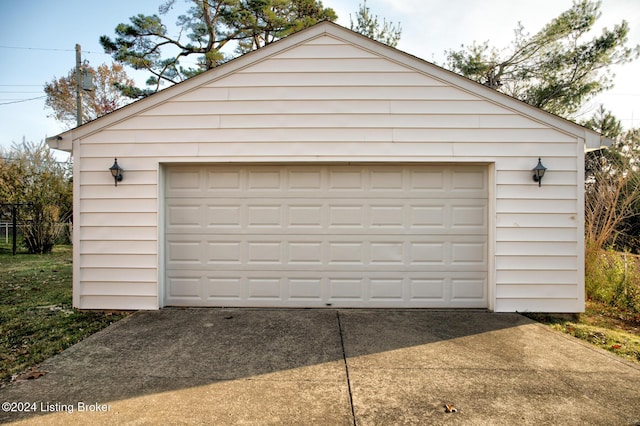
326,235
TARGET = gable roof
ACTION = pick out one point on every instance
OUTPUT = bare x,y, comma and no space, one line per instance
64,141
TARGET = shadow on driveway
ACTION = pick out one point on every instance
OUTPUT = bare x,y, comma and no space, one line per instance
331,366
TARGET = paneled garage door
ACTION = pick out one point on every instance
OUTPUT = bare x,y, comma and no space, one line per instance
326,235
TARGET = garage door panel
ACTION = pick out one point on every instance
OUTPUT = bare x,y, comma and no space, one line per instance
305,216
329,216
264,288
468,217
184,216
306,253
468,253
184,252
305,290
338,181
294,252
468,180
465,290
428,290
313,235
184,180
232,251
226,216
320,289
184,287
223,253
224,288
225,180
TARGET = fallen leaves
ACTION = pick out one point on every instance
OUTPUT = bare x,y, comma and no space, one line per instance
450,408
32,374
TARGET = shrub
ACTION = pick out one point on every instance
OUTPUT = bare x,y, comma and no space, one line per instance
30,176
613,278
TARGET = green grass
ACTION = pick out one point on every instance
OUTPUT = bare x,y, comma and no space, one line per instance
613,329
37,320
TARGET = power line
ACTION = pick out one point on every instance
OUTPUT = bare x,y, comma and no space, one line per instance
36,48
23,100
50,50
621,94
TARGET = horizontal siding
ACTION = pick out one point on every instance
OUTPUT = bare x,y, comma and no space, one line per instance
93,205
471,141
105,260
124,302
536,220
327,100
141,166
536,234
122,195
326,51
179,109
448,151
119,273
329,120
550,291
539,304
332,79
507,164
106,288
511,205
524,178
536,276
102,176
118,233
371,64
313,93
529,262
535,248
531,191
119,218
102,246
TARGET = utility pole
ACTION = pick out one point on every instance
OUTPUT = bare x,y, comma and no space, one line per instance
78,86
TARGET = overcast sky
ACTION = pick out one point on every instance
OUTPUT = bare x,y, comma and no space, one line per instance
37,40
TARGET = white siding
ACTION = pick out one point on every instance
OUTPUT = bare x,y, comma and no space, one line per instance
333,97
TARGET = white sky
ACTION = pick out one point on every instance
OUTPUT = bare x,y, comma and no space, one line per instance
429,27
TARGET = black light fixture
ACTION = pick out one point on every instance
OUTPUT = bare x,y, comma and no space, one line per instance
116,171
538,172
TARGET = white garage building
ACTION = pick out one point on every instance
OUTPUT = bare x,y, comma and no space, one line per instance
329,170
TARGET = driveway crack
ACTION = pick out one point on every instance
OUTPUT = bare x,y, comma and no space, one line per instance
346,368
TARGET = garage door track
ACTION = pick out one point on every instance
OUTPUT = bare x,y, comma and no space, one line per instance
328,367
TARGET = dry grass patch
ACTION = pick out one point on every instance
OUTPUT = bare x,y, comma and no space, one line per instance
37,320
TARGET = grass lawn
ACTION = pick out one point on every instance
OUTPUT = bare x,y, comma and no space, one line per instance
604,326
37,320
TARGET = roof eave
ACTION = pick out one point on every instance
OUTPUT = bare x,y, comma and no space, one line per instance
62,142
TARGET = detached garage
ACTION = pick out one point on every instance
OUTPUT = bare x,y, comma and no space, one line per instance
328,170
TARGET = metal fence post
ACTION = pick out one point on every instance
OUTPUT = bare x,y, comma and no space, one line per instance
14,218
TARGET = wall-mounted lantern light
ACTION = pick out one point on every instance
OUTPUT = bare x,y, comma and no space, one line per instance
116,172
538,172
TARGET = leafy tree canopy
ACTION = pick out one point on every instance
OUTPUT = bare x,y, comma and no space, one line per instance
605,123
31,176
103,99
369,25
205,31
557,69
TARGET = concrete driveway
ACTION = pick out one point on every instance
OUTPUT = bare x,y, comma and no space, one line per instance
329,367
